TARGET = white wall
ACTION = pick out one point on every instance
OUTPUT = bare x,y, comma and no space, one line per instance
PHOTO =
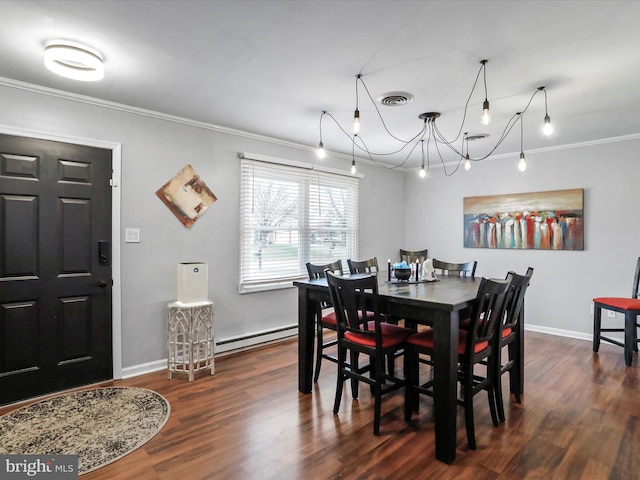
153,150
564,282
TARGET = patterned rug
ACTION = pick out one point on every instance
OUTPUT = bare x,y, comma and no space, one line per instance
99,425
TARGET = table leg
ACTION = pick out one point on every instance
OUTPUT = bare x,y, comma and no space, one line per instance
306,330
445,383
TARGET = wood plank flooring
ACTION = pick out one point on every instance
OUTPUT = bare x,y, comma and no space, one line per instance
580,419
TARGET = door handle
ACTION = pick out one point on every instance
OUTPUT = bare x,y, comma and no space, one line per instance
102,284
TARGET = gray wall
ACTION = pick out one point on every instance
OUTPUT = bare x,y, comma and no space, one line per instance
565,282
153,150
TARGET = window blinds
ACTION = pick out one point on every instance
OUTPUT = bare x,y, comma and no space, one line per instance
291,215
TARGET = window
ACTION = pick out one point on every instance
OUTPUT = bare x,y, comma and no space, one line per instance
291,214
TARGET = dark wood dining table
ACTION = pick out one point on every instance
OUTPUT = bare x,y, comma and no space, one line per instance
439,304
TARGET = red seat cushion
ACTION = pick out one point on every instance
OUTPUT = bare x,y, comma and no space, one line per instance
619,302
391,335
506,332
330,319
424,339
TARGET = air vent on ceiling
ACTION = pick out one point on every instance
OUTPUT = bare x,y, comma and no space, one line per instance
477,136
395,99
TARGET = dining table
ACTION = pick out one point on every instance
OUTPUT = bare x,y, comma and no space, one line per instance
440,304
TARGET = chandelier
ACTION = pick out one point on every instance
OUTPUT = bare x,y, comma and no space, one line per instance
431,134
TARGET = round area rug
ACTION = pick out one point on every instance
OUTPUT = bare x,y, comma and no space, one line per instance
99,425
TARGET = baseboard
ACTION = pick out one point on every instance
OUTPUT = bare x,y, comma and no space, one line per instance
224,346
559,332
245,342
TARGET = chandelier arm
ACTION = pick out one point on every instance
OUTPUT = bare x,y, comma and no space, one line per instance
365,149
406,144
444,141
509,126
466,108
444,166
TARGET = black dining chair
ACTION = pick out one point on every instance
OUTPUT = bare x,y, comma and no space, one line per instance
630,308
370,265
465,269
509,336
355,298
410,256
324,320
475,346
363,266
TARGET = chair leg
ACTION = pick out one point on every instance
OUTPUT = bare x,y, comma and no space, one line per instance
629,337
497,387
342,354
468,412
354,367
319,343
377,392
391,364
515,382
491,390
597,321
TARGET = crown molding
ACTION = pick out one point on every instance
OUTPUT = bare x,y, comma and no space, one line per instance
8,82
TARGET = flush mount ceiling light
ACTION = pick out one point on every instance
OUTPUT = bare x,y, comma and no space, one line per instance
429,131
74,61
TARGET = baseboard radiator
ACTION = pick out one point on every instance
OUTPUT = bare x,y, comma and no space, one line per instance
224,346
252,340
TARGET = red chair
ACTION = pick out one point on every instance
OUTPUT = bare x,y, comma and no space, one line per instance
475,346
354,298
630,307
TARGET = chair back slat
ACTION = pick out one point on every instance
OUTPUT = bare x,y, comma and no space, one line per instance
487,311
363,266
318,271
466,269
355,301
410,256
515,298
636,281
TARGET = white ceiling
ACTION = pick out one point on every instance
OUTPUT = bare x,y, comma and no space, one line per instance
270,67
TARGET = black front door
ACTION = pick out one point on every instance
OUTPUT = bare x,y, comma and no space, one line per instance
55,267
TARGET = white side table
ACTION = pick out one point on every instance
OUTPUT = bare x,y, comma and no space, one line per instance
190,338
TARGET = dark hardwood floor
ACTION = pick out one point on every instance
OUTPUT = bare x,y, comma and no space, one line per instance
580,419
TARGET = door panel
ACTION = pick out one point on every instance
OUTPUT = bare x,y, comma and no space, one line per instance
55,293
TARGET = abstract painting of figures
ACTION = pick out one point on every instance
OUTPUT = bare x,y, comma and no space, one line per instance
539,220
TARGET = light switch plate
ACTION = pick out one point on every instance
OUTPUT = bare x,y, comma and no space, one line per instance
132,235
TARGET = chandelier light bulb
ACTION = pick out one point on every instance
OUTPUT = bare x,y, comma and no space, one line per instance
353,167
486,115
522,165
321,152
422,172
467,163
356,122
547,128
